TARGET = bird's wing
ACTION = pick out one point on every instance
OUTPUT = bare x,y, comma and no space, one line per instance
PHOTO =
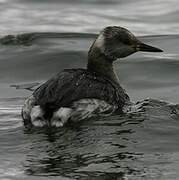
71,85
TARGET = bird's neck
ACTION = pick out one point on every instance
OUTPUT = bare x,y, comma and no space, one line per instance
99,63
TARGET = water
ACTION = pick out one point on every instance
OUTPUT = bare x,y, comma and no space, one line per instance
142,144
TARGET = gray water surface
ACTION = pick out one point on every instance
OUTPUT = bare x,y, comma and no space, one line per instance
141,144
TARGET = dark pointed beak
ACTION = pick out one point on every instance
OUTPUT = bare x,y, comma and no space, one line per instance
147,48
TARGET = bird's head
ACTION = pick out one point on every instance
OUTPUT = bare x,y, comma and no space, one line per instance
117,42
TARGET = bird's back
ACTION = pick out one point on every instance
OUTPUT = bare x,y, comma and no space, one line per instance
74,84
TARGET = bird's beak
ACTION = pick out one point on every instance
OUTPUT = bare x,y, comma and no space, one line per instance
147,48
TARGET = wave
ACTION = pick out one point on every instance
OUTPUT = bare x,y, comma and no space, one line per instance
28,38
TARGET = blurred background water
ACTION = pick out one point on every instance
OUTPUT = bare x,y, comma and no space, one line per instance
138,145
142,17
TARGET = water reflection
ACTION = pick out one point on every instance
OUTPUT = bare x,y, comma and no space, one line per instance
95,148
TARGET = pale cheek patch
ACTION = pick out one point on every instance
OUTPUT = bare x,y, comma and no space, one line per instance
60,117
99,43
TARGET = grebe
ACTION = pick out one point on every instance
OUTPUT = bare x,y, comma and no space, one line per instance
76,94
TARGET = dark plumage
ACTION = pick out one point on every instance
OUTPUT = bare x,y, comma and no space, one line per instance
73,84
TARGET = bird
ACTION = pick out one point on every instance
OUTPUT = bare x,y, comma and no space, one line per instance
73,95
